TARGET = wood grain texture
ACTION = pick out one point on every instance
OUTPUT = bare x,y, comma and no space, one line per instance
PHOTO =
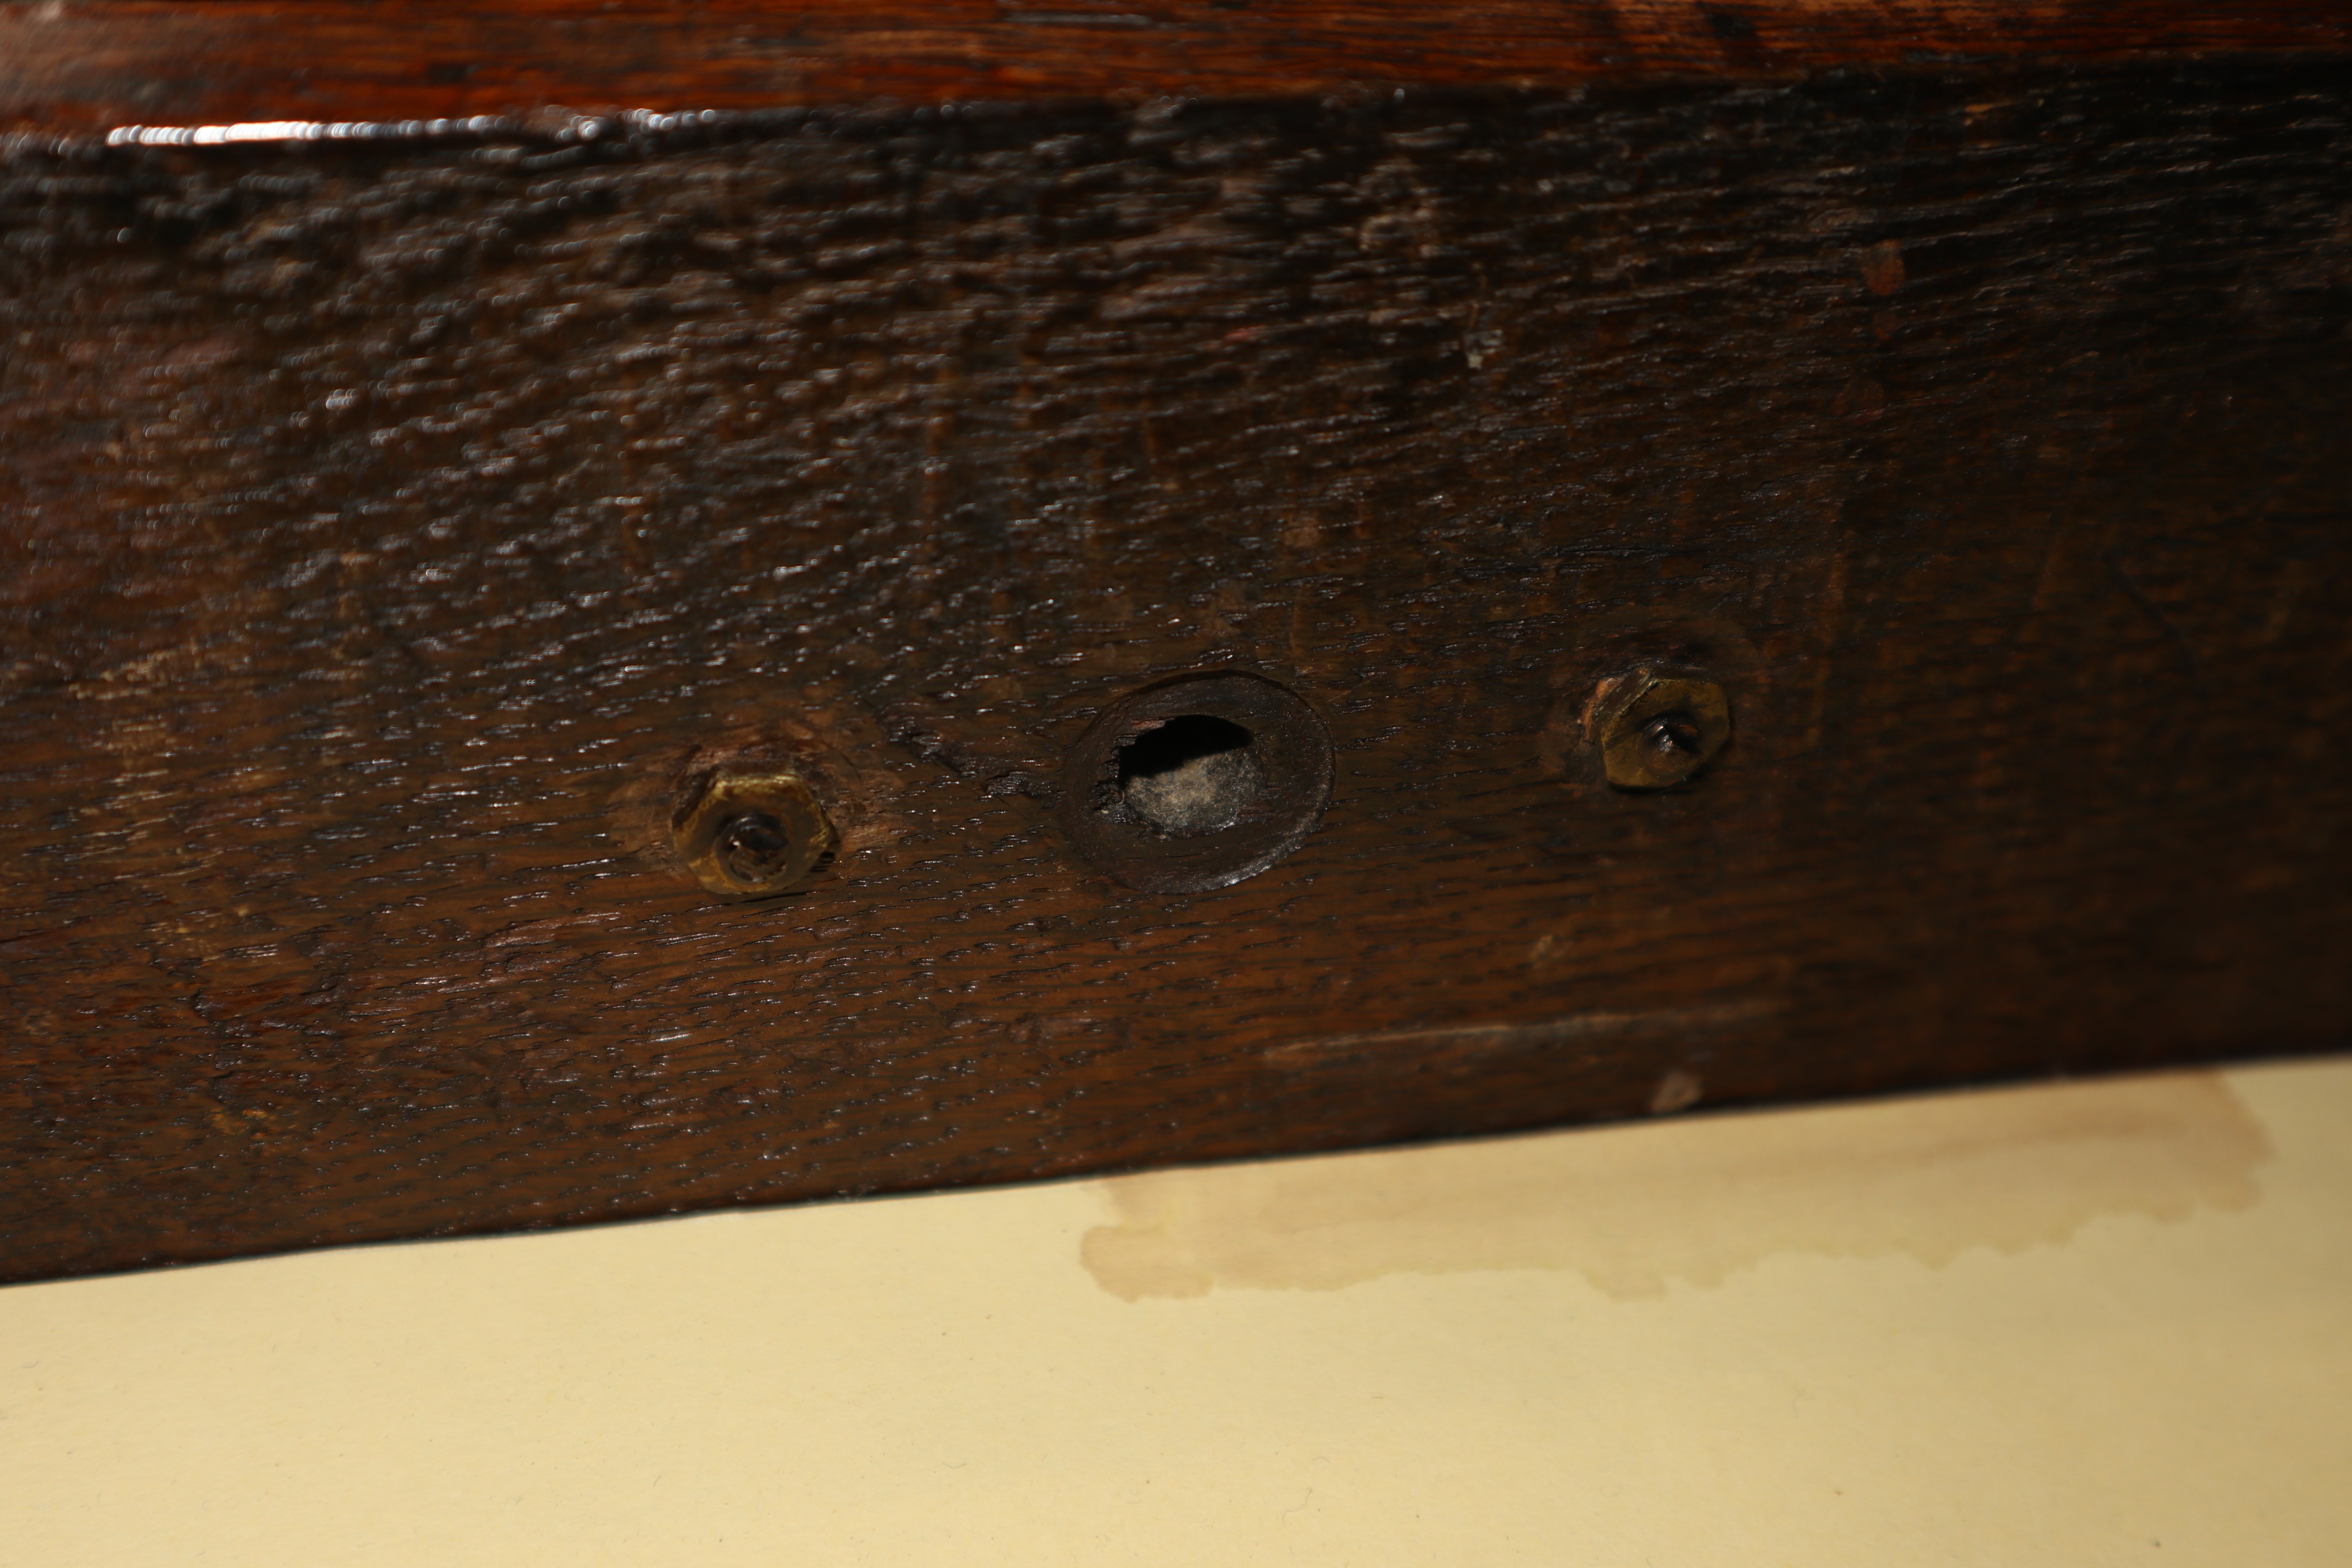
386,529
92,64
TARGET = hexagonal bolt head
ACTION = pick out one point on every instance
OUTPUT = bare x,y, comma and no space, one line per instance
1656,729
749,834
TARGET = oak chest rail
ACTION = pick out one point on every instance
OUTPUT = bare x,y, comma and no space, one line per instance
590,629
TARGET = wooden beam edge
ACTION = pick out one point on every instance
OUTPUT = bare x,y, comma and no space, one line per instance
75,67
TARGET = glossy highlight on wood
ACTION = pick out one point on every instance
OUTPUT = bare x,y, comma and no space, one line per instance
95,64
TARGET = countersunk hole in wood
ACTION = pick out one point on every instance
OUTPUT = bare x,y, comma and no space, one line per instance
1190,774
1196,782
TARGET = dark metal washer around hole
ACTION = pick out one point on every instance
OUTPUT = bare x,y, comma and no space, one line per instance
1197,781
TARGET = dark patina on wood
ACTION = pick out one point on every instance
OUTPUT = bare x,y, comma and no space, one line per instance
390,533
104,64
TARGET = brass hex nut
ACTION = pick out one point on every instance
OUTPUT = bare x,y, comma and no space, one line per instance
753,833
1657,729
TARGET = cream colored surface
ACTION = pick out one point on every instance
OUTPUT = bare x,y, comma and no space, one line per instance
2102,1324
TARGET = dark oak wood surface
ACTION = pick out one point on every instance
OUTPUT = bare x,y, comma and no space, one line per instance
96,63
385,531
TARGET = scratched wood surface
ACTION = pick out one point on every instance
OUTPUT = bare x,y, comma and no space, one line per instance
386,528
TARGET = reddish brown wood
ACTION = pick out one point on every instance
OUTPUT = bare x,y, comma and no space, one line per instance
97,63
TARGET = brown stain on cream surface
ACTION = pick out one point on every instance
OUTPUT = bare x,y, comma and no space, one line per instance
1633,1207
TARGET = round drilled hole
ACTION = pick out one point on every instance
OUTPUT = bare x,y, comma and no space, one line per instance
1196,782
1194,774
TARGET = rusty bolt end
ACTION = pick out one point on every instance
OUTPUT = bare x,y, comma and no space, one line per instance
752,834
1657,730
